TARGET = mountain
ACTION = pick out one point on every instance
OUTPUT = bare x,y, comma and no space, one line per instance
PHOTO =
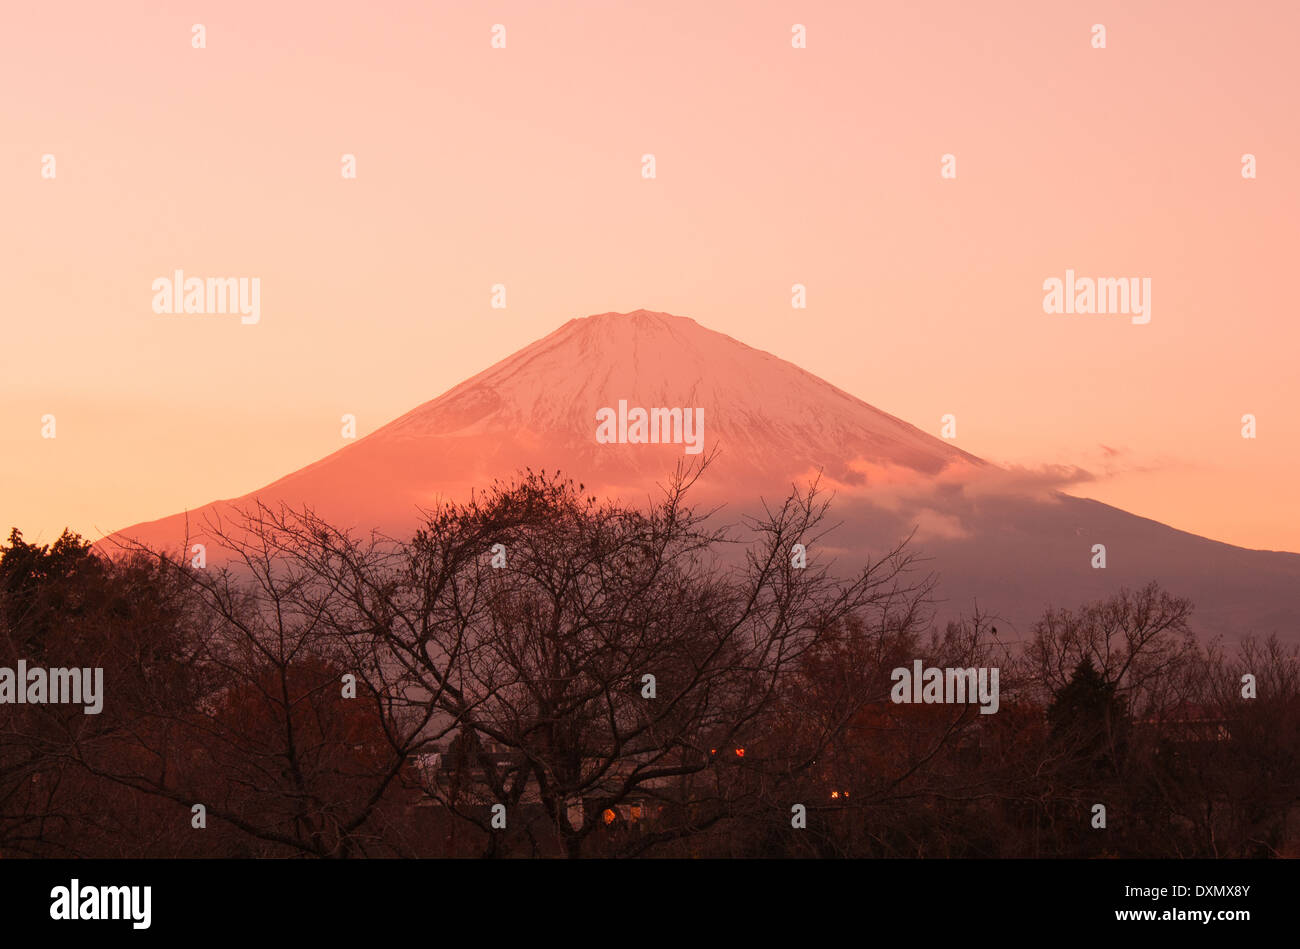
995,536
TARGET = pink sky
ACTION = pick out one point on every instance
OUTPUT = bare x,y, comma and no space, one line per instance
521,166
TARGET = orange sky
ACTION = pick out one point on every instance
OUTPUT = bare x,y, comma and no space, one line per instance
522,166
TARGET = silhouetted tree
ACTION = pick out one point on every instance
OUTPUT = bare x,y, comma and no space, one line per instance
1088,719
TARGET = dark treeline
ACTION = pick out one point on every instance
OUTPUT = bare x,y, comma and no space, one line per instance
611,681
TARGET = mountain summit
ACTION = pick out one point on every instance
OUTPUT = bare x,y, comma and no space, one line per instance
769,418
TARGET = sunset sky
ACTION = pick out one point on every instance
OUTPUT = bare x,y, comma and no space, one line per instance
522,166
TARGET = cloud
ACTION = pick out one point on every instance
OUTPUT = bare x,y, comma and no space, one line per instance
934,504
890,485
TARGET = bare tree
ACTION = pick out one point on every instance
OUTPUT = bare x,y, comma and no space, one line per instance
611,654
266,734
1136,640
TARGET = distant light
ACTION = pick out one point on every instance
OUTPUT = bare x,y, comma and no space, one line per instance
609,815
740,752
834,795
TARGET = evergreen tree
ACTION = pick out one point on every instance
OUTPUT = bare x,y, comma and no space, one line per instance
1088,719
